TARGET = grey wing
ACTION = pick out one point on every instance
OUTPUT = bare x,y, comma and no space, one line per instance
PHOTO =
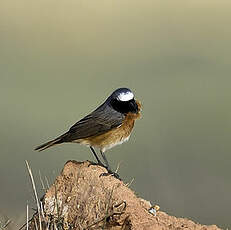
98,122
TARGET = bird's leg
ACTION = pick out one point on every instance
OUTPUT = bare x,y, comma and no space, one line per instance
105,160
97,158
110,172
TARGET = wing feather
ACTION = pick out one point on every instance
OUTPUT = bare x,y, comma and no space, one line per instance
98,122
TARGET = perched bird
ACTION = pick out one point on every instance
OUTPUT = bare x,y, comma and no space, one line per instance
107,126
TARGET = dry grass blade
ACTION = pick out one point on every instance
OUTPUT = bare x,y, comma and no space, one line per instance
24,225
41,180
3,226
35,193
47,182
118,166
129,184
27,217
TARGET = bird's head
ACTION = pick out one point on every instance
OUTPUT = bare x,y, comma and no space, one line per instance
122,100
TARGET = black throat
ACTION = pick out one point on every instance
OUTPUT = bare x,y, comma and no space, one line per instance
124,106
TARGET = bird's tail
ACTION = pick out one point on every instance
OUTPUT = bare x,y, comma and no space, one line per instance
48,144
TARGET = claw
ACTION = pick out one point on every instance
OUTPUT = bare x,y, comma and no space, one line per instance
110,173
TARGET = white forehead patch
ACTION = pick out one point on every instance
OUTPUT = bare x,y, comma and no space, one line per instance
126,96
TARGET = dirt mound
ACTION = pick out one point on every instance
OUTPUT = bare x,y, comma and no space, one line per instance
81,198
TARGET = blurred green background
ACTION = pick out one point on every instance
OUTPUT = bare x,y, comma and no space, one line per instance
61,59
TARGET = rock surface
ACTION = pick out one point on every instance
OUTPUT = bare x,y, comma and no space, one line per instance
81,198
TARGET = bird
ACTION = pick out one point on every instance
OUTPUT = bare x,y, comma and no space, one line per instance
108,125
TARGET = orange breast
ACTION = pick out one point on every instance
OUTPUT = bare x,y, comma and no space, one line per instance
115,136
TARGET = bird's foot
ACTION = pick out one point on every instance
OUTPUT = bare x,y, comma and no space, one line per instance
111,173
